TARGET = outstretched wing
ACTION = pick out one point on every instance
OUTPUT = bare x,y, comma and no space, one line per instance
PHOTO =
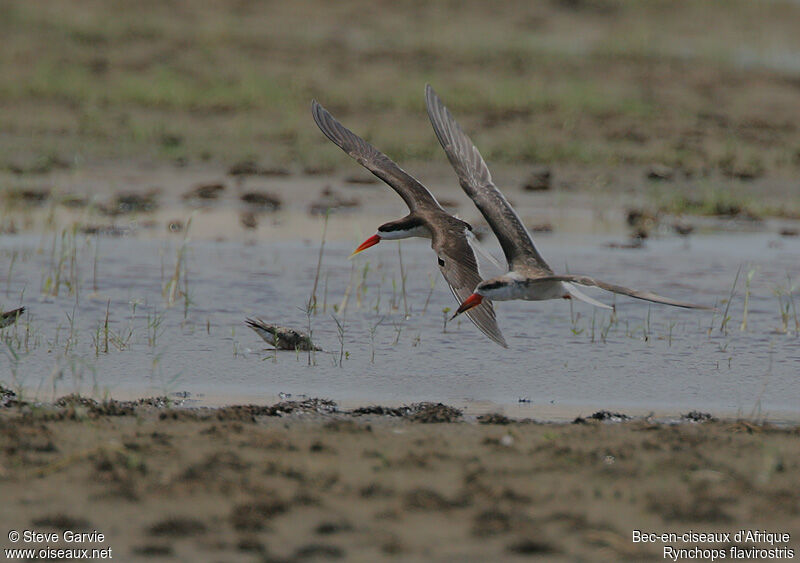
645,295
460,270
413,193
476,180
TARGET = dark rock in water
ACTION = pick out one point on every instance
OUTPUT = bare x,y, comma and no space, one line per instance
283,338
683,229
660,172
362,179
10,317
330,200
541,228
635,243
640,218
262,200
251,168
205,191
248,219
538,181
318,170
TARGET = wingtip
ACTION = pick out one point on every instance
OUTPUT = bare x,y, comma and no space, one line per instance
431,97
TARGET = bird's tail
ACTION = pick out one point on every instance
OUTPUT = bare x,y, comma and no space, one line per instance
577,294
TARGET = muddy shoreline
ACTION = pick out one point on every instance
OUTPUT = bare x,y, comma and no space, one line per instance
302,481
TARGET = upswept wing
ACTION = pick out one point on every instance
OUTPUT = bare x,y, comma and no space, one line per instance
476,180
413,193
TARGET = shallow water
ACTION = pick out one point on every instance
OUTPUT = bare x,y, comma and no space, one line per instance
653,358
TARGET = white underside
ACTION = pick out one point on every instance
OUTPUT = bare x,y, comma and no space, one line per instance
540,292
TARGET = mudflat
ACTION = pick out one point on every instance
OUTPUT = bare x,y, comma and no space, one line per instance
304,480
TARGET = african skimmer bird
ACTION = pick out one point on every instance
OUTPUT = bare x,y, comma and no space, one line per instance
529,277
450,237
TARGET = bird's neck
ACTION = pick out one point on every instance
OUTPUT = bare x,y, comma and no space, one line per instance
404,228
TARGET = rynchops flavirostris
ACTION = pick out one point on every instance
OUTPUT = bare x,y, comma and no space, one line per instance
449,236
529,277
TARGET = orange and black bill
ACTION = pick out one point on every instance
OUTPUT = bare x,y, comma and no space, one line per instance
472,301
371,241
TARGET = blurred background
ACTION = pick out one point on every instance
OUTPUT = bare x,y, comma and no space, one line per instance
680,89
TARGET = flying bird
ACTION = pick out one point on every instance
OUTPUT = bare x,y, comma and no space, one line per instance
529,277
450,236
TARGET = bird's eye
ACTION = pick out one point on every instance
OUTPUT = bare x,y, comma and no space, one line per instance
441,262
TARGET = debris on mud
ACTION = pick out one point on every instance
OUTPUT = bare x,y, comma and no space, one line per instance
434,412
697,416
105,230
417,412
248,413
73,201
281,337
660,172
26,196
204,192
131,202
41,165
10,317
309,406
262,200
380,411
539,180
331,201
494,418
747,171
8,398
602,416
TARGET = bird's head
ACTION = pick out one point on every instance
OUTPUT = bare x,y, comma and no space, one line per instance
497,289
406,227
